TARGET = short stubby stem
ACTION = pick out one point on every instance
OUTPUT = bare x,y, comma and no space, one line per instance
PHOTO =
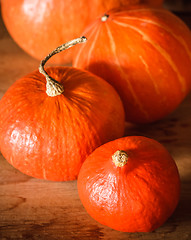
120,158
104,17
53,87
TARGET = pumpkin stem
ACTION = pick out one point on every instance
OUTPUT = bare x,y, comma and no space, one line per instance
53,87
120,158
104,17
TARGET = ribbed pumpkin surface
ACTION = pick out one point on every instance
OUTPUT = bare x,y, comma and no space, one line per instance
39,26
49,137
136,197
145,53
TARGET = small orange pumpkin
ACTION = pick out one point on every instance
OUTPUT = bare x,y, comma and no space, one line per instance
131,184
145,53
48,126
38,26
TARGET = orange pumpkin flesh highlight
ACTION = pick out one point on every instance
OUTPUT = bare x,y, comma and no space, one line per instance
40,26
145,53
49,137
137,196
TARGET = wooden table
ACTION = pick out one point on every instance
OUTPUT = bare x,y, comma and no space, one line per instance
43,210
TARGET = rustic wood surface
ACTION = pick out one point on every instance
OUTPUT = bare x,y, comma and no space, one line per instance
44,210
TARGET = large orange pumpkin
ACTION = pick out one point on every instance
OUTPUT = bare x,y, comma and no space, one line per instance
131,184
145,53
39,26
48,126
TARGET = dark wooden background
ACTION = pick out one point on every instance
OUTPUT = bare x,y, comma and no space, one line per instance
43,210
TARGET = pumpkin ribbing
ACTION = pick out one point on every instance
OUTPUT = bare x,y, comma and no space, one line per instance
145,53
49,137
137,197
53,22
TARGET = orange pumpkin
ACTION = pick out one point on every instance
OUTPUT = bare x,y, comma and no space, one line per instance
38,26
130,184
48,126
145,53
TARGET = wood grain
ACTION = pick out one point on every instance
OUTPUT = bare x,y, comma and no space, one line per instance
43,210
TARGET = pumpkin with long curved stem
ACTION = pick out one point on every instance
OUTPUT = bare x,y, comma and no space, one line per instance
145,53
50,124
38,26
130,184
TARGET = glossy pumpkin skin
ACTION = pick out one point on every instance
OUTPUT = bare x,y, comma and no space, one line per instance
145,53
138,197
49,137
39,26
